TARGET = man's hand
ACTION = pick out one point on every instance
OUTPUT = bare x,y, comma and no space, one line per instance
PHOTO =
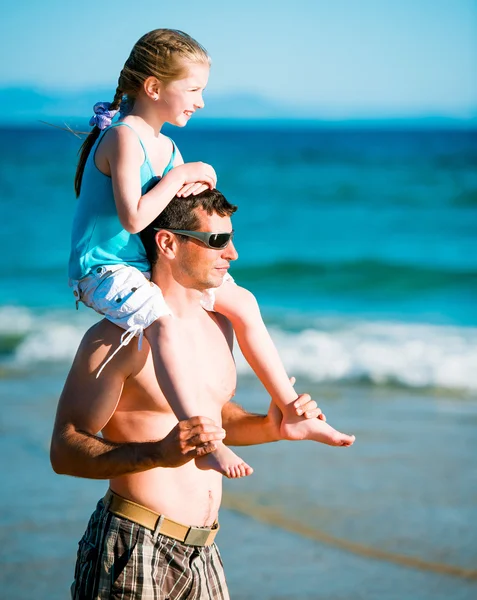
304,406
189,439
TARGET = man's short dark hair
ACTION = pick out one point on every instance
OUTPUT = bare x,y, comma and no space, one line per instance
180,214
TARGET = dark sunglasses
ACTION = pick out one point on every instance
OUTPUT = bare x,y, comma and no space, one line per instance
217,241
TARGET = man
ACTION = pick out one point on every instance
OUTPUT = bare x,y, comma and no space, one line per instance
152,535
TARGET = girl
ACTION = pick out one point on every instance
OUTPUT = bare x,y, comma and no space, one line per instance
127,173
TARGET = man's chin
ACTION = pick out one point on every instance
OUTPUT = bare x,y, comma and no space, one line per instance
211,279
214,282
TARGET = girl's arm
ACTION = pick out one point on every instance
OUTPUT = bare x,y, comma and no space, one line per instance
125,157
241,308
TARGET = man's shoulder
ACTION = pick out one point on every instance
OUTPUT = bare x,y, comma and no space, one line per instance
102,332
100,341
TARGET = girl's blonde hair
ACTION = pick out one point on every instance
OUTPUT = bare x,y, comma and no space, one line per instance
161,53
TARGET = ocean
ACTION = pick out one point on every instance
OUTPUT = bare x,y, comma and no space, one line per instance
361,247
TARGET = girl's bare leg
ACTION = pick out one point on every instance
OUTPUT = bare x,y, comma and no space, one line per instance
241,308
167,342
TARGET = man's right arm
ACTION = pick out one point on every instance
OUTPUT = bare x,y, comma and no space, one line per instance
86,405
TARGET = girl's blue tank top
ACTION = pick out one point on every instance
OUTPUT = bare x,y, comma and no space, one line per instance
98,238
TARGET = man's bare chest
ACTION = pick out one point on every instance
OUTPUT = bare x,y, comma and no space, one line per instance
205,362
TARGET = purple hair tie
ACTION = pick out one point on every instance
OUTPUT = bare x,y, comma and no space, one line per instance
102,115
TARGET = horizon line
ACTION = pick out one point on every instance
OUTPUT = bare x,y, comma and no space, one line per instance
435,123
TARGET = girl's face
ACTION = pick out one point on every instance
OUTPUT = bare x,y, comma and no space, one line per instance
181,98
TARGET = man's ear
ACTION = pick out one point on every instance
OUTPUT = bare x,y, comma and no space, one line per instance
166,243
152,88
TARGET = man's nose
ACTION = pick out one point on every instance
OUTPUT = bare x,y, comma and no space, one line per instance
230,253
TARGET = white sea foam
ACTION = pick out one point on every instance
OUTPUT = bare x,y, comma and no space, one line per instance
15,320
414,355
43,337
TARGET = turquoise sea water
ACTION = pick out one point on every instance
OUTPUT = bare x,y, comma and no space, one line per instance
361,246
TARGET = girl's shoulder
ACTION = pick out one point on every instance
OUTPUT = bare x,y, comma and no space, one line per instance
121,136
118,144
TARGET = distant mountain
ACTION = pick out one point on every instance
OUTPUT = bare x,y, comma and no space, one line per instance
22,105
26,106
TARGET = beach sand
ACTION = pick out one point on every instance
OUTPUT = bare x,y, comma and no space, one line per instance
392,517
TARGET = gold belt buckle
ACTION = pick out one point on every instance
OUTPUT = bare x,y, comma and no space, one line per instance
197,536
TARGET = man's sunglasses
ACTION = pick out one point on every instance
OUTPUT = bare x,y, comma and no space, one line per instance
217,241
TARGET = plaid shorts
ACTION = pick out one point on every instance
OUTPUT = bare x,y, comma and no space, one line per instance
120,559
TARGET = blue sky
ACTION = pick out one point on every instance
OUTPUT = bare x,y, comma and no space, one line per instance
335,58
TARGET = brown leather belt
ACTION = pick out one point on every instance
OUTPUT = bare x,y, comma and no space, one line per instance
190,535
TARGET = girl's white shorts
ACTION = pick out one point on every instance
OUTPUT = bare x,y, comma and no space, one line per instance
127,297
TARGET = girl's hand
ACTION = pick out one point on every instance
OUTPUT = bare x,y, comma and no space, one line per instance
191,188
197,177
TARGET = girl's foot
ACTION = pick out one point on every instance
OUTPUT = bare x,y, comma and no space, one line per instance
294,427
224,461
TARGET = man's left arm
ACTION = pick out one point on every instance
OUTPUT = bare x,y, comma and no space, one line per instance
248,429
